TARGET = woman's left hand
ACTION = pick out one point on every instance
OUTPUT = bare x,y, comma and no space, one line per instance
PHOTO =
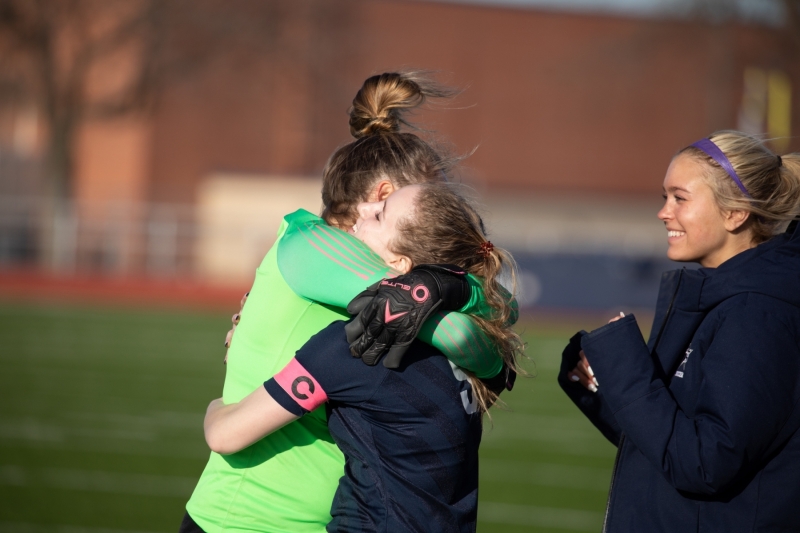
583,373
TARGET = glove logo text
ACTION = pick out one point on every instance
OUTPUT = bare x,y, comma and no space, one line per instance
396,284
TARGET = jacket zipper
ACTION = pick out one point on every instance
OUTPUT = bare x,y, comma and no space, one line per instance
613,475
622,435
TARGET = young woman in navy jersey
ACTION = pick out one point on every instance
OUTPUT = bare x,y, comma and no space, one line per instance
410,435
706,415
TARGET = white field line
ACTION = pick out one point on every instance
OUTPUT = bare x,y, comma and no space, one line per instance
162,419
585,449
573,436
23,527
37,430
544,517
97,481
101,426
157,438
532,421
546,474
182,450
569,443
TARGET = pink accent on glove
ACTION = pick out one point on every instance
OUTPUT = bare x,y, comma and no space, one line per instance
420,293
388,316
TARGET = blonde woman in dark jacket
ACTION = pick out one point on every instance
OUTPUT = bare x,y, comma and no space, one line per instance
706,413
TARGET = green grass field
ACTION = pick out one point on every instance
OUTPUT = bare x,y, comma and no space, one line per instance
101,427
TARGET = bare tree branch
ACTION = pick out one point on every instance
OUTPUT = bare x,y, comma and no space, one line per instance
50,49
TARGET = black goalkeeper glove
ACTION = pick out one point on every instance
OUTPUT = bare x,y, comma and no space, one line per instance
391,312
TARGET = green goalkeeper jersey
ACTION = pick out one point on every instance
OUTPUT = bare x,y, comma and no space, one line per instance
285,482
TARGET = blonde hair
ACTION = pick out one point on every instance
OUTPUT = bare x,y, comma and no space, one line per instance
445,228
381,150
772,181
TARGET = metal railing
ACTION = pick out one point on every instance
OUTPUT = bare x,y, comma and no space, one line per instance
110,238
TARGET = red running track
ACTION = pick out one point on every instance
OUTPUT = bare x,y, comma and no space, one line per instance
32,286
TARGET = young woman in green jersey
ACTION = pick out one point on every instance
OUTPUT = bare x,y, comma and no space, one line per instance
410,436
285,482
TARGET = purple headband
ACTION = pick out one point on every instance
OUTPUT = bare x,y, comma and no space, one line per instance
712,150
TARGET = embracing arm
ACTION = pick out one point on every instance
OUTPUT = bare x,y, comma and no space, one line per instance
322,366
233,427
747,395
462,341
330,266
326,264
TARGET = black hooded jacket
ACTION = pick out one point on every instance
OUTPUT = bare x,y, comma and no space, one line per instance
706,414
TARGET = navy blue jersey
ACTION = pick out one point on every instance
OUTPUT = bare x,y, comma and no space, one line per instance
410,436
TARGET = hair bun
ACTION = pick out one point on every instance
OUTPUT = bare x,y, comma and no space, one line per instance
379,103
380,124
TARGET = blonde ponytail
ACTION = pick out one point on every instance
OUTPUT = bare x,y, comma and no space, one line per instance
772,181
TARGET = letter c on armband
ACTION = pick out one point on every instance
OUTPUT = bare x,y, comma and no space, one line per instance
295,387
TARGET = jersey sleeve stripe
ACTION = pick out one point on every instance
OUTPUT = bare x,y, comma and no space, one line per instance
326,254
312,237
370,258
481,357
480,342
301,386
347,254
441,340
453,347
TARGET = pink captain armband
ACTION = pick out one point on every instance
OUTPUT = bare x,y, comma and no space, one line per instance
301,386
